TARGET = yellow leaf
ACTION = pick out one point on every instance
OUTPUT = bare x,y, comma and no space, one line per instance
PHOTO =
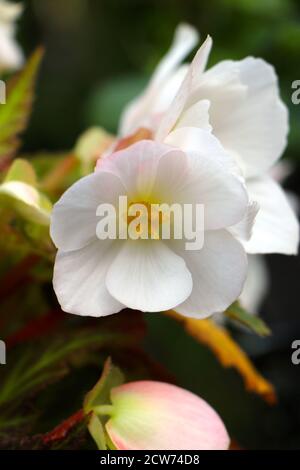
228,353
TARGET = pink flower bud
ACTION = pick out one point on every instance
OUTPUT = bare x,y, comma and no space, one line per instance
152,416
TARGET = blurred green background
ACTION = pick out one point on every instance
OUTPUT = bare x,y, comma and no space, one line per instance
99,55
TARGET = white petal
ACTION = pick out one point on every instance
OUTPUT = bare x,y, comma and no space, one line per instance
172,171
193,139
250,120
148,276
256,285
276,229
293,201
141,109
222,79
243,230
210,179
197,113
185,39
167,93
219,272
74,219
11,56
178,105
137,167
10,12
79,279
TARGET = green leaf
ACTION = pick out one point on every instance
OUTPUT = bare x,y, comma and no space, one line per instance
97,431
44,358
21,170
97,404
15,113
42,363
253,322
100,393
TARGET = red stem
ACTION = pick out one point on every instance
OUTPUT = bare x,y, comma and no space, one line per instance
63,429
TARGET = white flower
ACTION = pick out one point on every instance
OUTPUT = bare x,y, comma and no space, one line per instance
100,277
11,56
239,102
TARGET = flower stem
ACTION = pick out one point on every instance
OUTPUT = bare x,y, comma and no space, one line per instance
106,410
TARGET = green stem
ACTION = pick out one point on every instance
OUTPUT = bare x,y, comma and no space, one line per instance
106,410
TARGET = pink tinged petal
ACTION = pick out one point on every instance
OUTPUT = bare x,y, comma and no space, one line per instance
158,416
256,285
253,126
74,219
281,171
219,271
276,228
79,279
157,95
136,166
147,275
180,101
210,179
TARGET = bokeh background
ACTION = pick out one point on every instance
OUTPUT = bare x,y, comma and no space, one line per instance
99,55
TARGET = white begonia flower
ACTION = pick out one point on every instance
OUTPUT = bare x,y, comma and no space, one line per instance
239,102
101,277
11,56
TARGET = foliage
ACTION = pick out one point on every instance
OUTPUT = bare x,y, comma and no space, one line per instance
15,114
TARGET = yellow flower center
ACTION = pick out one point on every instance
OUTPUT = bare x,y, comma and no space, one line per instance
151,217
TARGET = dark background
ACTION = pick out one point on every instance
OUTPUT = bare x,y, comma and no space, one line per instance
99,54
